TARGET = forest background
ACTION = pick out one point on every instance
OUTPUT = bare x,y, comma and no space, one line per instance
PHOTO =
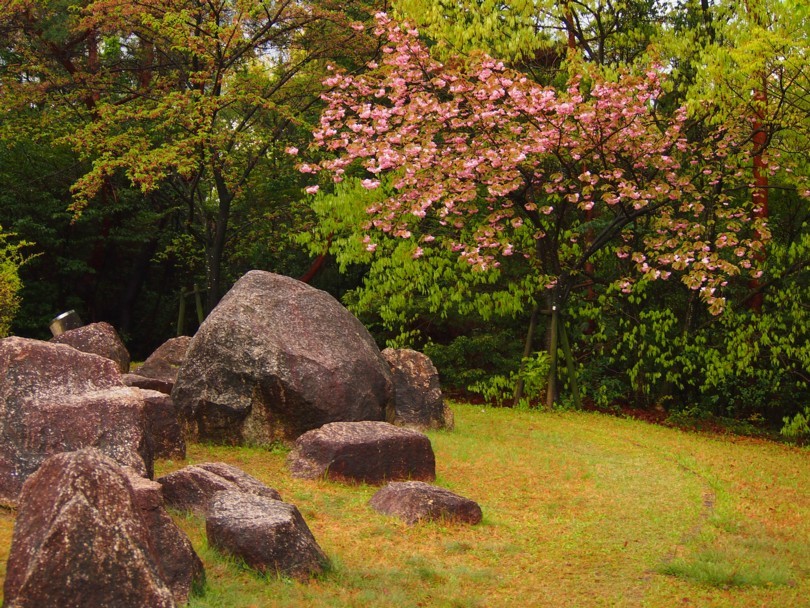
152,152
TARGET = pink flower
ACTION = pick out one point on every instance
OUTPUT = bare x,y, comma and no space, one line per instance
291,150
312,189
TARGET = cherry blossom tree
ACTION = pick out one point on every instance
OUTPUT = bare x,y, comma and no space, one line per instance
488,163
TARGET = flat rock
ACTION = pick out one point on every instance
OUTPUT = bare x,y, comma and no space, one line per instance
99,339
163,364
275,359
269,535
58,399
192,487
162,425
34,366
180,566
80,541
149,384
414,501
366,452
418,400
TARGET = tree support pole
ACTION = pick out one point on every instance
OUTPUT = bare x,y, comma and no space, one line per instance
198,301
569,363
551,392
181,315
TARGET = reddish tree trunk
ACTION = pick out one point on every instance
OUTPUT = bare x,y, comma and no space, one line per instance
317,265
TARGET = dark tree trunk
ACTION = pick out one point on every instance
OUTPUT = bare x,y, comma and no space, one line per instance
137,277
216,249
527,351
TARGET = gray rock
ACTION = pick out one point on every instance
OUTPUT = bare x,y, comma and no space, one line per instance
80,541
275,359
418,398
414,501
191,488
179,564
162,425
99,339
269,535
163,364
367,452
54,398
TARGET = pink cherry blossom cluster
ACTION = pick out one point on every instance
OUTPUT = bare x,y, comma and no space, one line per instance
483,149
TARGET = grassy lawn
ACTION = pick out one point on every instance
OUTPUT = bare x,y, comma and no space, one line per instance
579,509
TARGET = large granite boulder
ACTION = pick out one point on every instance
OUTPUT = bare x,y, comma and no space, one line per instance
367,452
79,540
418,398
162,425
163,364
275,359
179,564
414,501
54,398
269,535
192,487
99,339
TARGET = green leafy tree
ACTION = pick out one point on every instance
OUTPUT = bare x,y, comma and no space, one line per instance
535,33
185,100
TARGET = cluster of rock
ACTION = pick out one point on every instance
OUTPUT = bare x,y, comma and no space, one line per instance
245,518
276,360
159,371
375,453
55,399
91,533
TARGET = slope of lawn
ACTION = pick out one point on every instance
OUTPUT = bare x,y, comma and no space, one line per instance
579,509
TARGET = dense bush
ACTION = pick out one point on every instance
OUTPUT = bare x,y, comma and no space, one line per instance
11,258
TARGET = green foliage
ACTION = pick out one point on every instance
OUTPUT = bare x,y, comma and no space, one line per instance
737,366
11,258
171,153
192,107
464,319
474,356
340,216
534,33
797,428
500,390
504,29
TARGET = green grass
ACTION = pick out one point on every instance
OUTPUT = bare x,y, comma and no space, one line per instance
579,509
732,566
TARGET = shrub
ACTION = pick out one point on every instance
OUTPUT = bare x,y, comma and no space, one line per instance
11,258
